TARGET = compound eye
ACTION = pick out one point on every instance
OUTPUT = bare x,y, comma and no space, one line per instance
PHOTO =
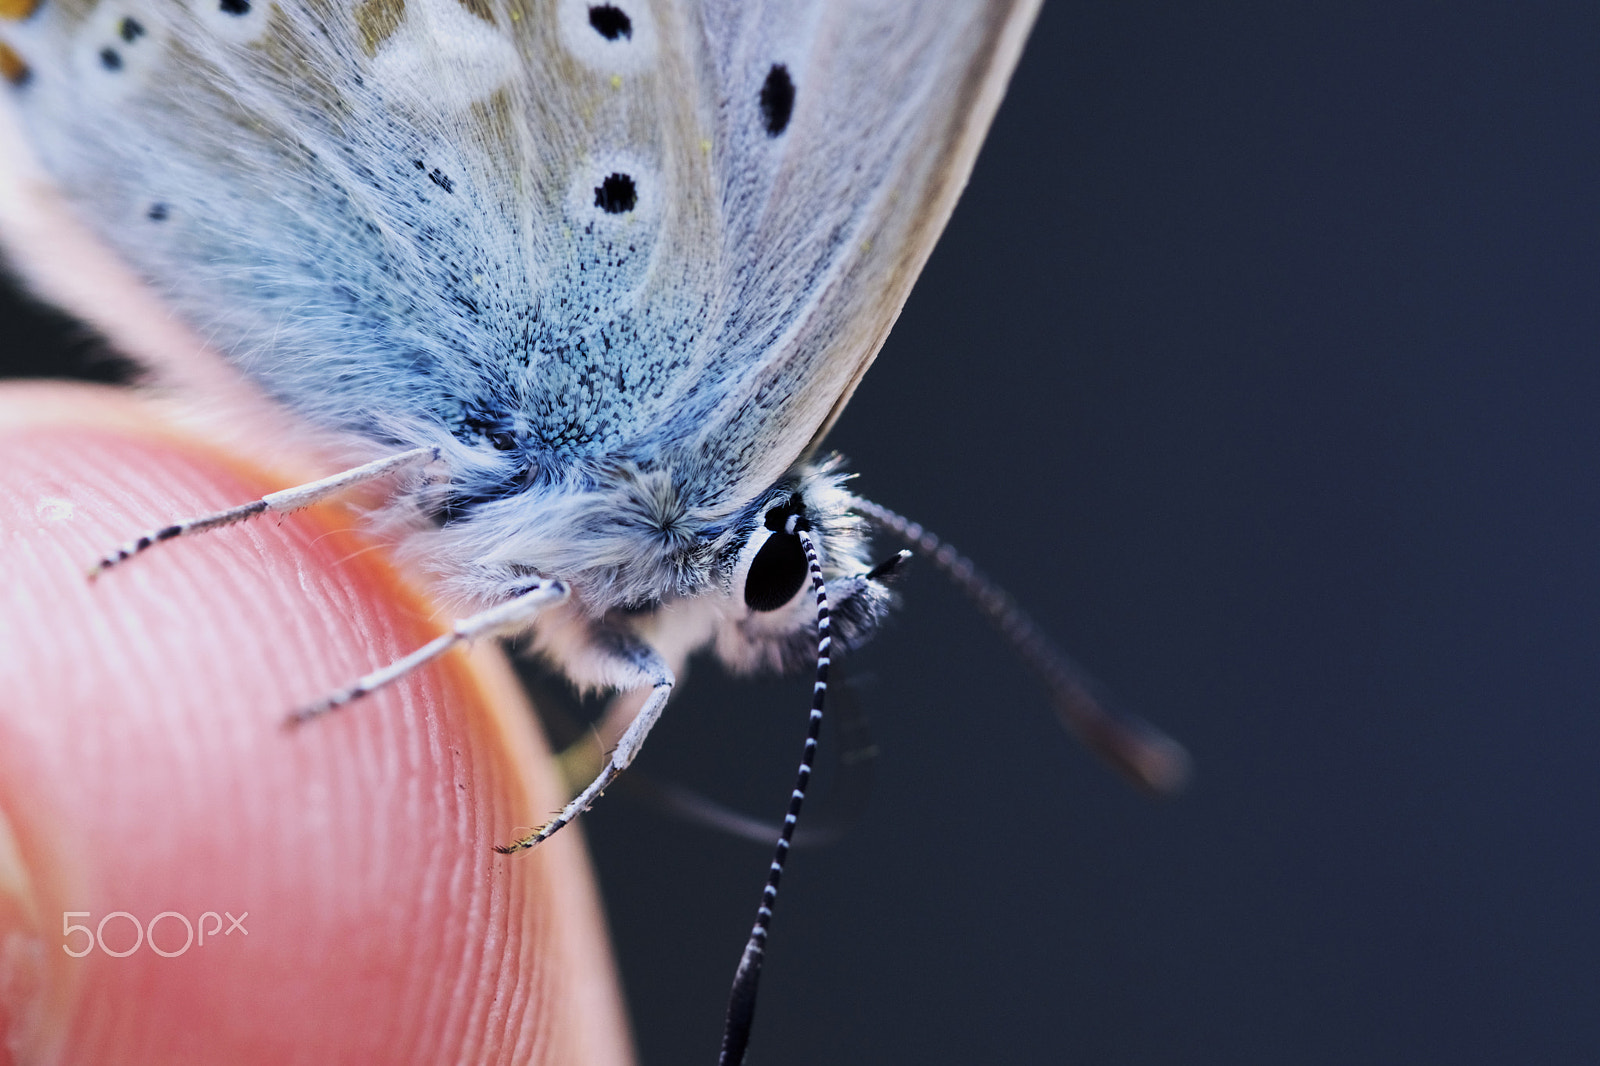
776,573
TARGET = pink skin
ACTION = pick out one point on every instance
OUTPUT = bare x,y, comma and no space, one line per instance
144,768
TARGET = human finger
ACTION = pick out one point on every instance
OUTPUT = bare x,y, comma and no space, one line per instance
182,878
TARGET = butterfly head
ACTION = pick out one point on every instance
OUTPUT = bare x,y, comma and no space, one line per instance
770,605
637,547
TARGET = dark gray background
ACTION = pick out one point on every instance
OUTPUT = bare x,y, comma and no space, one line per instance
1258,361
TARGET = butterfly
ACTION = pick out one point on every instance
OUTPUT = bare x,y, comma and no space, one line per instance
593,280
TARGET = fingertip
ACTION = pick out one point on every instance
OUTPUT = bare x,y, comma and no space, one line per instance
143,730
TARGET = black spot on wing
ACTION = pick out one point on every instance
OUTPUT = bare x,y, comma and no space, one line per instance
114,55
234,7
616,194
610,22
777,100
158,212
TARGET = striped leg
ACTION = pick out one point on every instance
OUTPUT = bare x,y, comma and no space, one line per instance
282,502
514,614
641,665
746,979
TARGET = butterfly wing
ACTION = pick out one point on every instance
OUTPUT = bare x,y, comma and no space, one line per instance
831,218
654,233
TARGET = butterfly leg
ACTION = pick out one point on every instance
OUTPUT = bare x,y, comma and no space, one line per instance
514,614
283,502
634,664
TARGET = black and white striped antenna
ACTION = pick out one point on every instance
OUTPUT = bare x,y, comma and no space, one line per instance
1141,752
742,999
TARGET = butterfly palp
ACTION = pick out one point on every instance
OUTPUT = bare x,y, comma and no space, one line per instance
888,566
